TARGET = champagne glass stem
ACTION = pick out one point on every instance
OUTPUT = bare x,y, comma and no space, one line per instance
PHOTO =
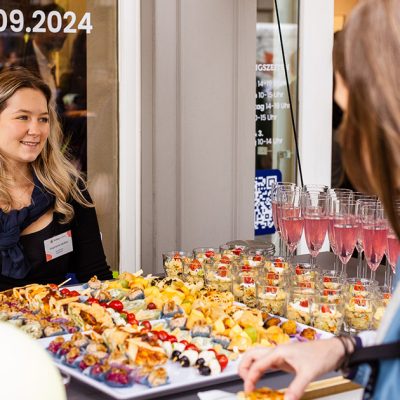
386,281
364,268
372,275
343,267
359,265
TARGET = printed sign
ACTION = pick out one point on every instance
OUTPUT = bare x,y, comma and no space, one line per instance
263,222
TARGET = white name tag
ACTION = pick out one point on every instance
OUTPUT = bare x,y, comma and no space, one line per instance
58,245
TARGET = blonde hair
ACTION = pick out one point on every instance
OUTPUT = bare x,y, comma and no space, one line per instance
52,167
370,132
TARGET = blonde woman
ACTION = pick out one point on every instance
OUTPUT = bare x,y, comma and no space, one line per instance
367,89
48,224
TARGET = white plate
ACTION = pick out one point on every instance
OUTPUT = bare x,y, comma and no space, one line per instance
180,378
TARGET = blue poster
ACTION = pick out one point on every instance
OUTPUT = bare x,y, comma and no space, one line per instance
263,222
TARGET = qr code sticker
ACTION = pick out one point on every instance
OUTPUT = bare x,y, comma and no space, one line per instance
262,203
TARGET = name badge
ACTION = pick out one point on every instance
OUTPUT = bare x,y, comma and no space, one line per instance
58,245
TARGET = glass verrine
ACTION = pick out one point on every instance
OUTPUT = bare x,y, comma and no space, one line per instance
204,253
299,303
359,311
304,276
383,298
271,298
193,272
244,285
327,316
173,262
232,251
218,275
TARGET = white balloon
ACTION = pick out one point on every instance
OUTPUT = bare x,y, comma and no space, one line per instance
26,370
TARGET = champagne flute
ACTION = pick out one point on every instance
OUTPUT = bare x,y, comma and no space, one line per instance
292,221
392,254
345,227
360,201
374,235
276,187
314,209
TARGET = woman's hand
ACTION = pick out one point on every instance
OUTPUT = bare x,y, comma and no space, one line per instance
305,360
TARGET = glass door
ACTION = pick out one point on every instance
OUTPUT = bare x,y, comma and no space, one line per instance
72,44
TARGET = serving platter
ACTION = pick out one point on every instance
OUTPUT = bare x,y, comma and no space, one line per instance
180,378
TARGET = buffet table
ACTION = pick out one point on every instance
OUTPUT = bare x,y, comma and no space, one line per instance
78,391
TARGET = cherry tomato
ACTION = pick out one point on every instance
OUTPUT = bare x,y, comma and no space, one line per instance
248,279
257,258
131,319
116,305
246,268
53,287
65,292
237,251
74,293
222,271
162,335
304,303
325,308
92,300
194,265
151,306
191,346
172,339
223,361
209,254
145,324
185,342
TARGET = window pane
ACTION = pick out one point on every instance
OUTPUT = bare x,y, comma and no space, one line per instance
72,44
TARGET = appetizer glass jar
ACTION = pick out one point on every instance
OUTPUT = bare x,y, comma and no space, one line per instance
331,279
232,251
277,264
173,262
206,253
218,275
271,298
193,271
304,276
359,311
327,316
383,297
299,304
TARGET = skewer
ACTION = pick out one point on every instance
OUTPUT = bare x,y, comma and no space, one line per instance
63,283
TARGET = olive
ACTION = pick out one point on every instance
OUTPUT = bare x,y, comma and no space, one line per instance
200,362
204,370
184,362
175,355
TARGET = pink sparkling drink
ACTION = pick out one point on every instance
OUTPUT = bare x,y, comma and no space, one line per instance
392,250
275,215
374,241
293,228
346,238
315,228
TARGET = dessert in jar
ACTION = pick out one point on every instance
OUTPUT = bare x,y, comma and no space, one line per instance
271,299
359,313
173,262
327,317
299,306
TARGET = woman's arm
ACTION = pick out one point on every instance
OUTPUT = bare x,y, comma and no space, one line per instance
306,360
88,253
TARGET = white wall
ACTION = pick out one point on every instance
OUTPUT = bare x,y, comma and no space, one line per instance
315,92
198,63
